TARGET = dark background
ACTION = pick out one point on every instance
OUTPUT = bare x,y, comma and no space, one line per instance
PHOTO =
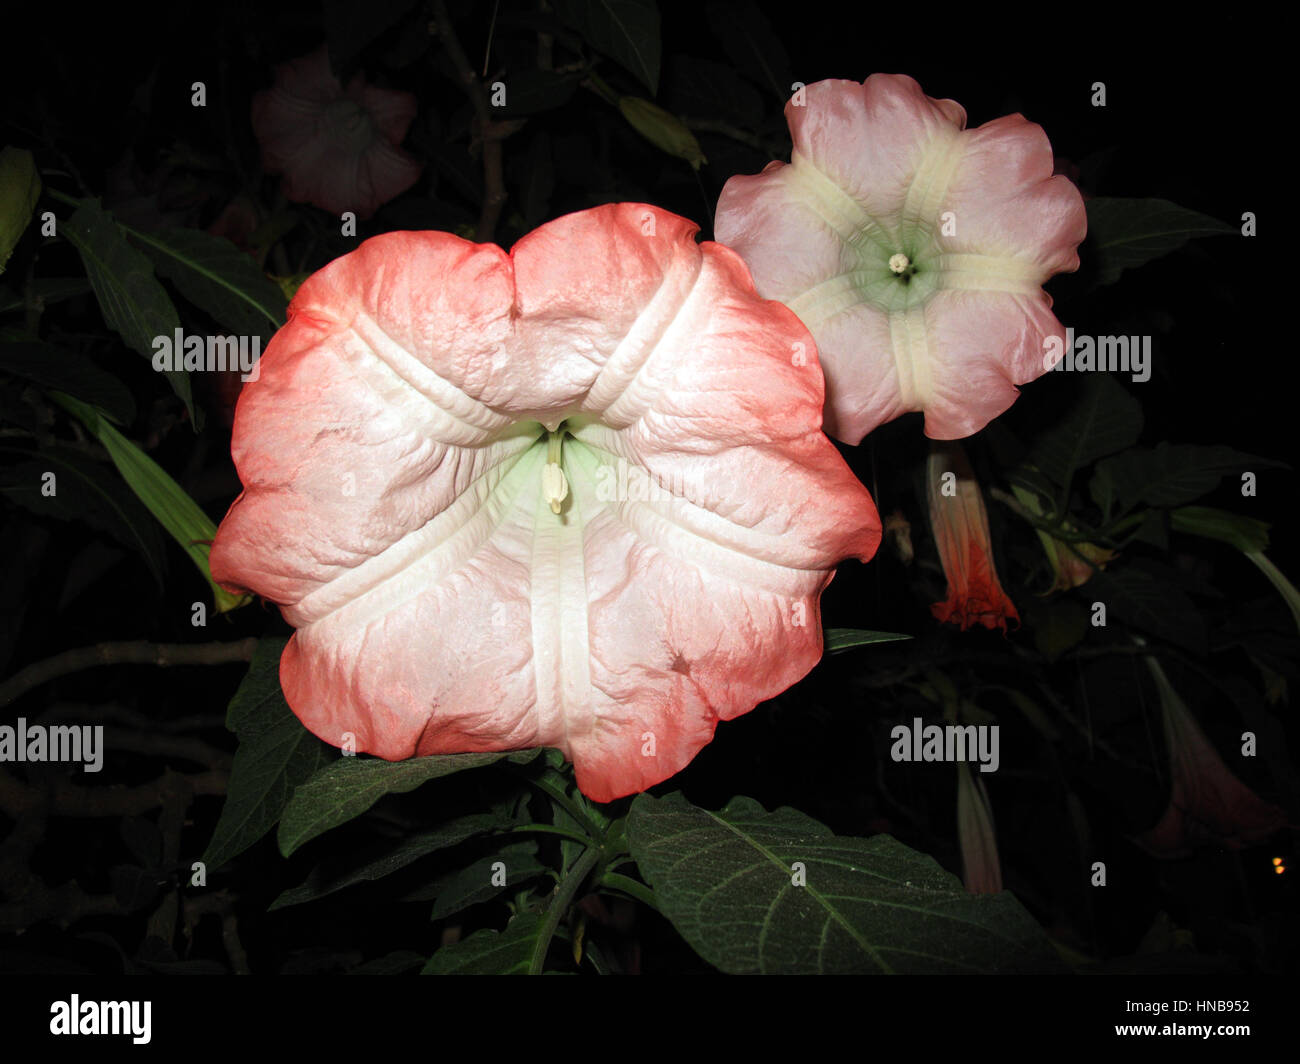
1189,118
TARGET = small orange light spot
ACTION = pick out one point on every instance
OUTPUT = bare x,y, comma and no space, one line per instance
1277,860
1280,869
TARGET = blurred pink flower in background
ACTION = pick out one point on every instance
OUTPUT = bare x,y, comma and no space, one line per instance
1208,804
337,148
912,248
981,870
961,534
575,495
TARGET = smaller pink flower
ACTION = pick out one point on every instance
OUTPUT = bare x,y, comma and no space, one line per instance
981,870
337,148
1208,804
912,248
961,534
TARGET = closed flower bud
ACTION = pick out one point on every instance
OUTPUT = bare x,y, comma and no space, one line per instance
662,129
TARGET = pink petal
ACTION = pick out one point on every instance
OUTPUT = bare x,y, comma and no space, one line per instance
1006,201
786,244
978,346
392,111
868,139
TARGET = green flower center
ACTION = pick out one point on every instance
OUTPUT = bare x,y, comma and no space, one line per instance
898,272
347,121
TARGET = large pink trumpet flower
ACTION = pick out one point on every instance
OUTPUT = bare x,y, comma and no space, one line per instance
338,149
913,249
575,495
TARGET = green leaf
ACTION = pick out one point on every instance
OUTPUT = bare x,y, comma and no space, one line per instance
1172,474
20,187
473,885
627,31
662,129
838,639
1105,419
134,304
85,491
868,906
752,45
348,787
507,952
215,275
1247,534
1124,233
166,499
51,367
1148,597
275,754
330,877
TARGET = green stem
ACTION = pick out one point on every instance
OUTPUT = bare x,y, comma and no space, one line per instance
62,197
597,85
632,887
559,905
551,829
1278,579
556,793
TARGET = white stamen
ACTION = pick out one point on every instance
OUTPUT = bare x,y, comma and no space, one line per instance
899,262
554,485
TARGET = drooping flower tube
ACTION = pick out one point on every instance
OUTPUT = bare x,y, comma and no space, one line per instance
575,495
981,869
913,249
1208,805
338,148
961,534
